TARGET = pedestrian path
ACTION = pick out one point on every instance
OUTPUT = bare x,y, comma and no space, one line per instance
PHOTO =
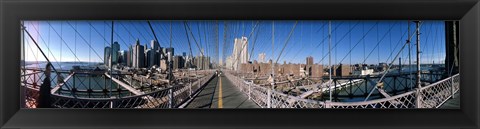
205,95
452,103
221,93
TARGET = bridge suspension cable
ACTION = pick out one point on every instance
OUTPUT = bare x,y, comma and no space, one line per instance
194,39
388,68
46,58
48,48
64,42
286,42
76,31
346,34
378,43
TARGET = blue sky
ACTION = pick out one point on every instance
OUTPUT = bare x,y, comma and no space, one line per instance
352,41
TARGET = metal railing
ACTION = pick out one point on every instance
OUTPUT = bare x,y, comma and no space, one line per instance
277,100
155,99
431,96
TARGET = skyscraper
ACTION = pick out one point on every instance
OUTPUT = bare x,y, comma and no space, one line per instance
156,52
239,53
130,56
310,68
206,63
123,57
202,62
106,58
169,49
189,62
138,55
115,55
178,62
154,45
150,58
261,58
309,60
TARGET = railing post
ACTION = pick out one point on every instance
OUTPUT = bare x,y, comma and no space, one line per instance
335,89
170,97
328,104
190,88
418,101
249,91
74,81
453,87
112,103
34,80
269,94
351,85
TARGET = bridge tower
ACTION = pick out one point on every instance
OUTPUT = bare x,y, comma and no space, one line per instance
451,48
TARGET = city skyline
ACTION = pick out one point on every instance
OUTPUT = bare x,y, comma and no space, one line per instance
309,38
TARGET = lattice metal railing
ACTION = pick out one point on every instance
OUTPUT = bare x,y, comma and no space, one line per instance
436,94
260,95
156,99
405,100
431,96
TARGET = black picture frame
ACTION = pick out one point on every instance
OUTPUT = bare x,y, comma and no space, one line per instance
13,11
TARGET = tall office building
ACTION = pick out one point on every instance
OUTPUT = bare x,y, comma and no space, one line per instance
169,49
163,64
122,57
239,53
202,62
130,56
261,58
154,45
138,55
156,52
178,62
115,49
188,62
206,63
311,69
107,54
309,60
150,58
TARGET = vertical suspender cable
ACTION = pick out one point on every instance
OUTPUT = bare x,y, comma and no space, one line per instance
330,58
111,59
409,56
